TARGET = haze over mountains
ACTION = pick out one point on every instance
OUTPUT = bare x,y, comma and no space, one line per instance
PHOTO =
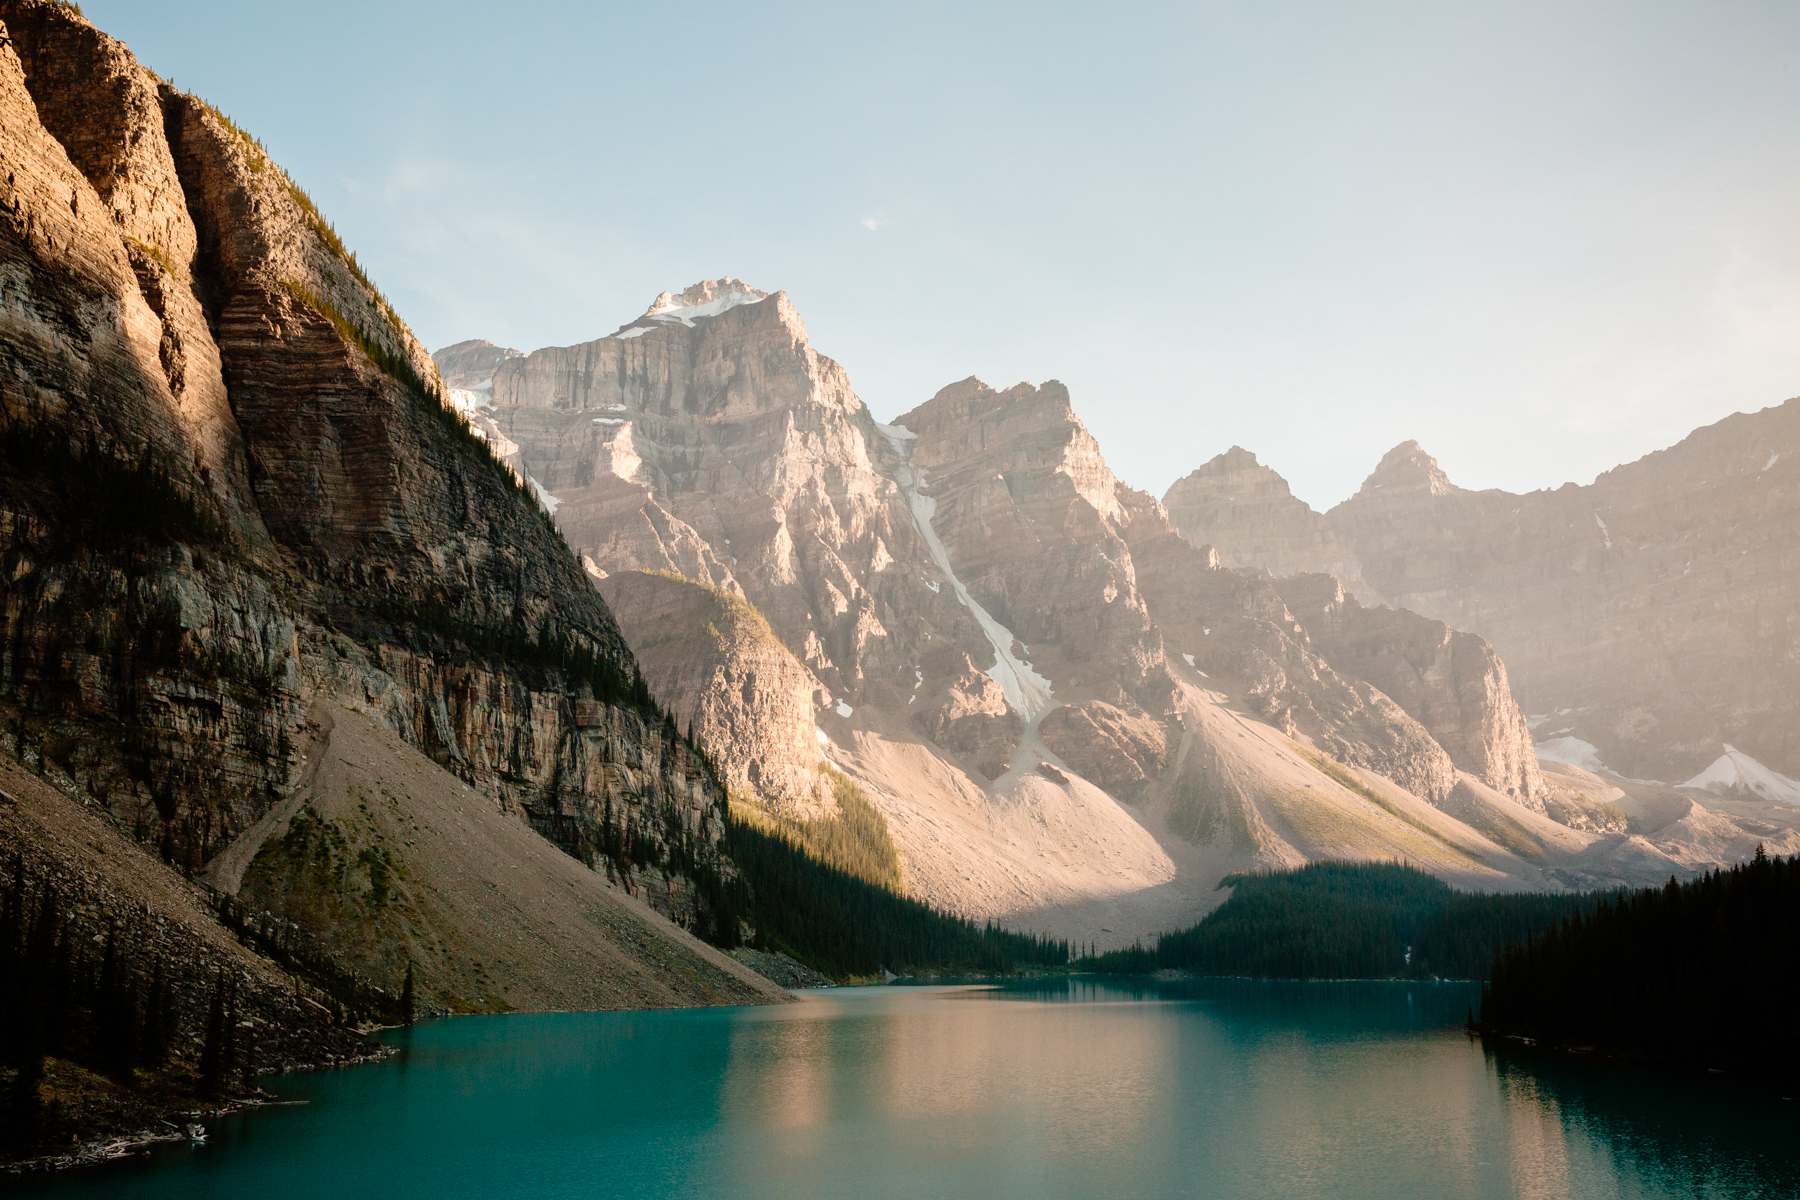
1073,712
1654,614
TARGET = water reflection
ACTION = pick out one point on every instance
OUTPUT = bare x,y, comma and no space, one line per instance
1063,1088
1680,1136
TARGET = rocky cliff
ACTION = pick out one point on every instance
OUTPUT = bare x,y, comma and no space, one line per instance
1246,511
730,682
1452,681
1652,611
1069,716
233,492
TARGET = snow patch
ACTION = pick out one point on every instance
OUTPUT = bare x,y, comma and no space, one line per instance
1774,457
675,309
550,503
1735,771
823,737
936,587
1571,750
1027,693
843,710
608,421
895,435
472,400
1605,533
625,335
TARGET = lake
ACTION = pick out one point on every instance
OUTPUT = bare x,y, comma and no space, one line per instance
1075,1088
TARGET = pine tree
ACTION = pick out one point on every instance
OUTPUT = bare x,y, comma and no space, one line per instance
407,1008
157,1026
115,1014
215,1051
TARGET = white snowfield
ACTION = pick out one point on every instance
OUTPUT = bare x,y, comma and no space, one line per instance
625,335
669,308
1027,693
1735,771
550,503
472,400
1571,750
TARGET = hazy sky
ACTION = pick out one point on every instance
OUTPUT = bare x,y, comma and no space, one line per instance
1540,239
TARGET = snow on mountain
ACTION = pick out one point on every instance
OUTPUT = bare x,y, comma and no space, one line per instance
1571,750
1735,771
1027,693
702,300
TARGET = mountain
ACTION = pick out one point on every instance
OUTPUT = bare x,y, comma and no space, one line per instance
1262,523
1070,717
275,616
1653,612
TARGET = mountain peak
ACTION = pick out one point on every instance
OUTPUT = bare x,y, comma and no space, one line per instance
1237,474
708,298
1408,467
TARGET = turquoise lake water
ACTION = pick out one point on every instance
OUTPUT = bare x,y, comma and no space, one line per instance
1069,1089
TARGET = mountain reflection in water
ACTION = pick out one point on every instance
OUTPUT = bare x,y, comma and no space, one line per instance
1065,1088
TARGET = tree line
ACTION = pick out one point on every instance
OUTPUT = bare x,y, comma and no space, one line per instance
845,926
1335,920
1699,974
113,1010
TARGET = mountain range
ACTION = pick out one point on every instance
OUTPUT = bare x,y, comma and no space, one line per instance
338,669
1077,708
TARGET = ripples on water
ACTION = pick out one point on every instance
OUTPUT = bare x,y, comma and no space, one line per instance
1071,1088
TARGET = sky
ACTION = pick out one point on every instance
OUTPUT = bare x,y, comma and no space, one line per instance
1540,239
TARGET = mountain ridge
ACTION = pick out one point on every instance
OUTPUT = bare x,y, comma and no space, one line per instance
234,493
992,622
1651,610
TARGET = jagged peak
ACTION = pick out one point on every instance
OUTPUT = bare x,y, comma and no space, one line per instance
708,298
474,345
1236,460
974,390
1236,472
971,398
1408,467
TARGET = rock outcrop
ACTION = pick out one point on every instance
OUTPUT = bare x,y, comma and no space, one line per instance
1453,683
731,683
1655,611
1661,602
1247,512
232,490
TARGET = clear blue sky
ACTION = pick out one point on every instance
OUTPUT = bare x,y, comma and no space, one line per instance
1541,239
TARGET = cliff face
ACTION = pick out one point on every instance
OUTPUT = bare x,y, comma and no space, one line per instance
232,493
1453,682
1661,602
1653,611
1070,717
1247,512
729,681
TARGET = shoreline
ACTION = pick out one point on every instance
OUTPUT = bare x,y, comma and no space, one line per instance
118,1144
